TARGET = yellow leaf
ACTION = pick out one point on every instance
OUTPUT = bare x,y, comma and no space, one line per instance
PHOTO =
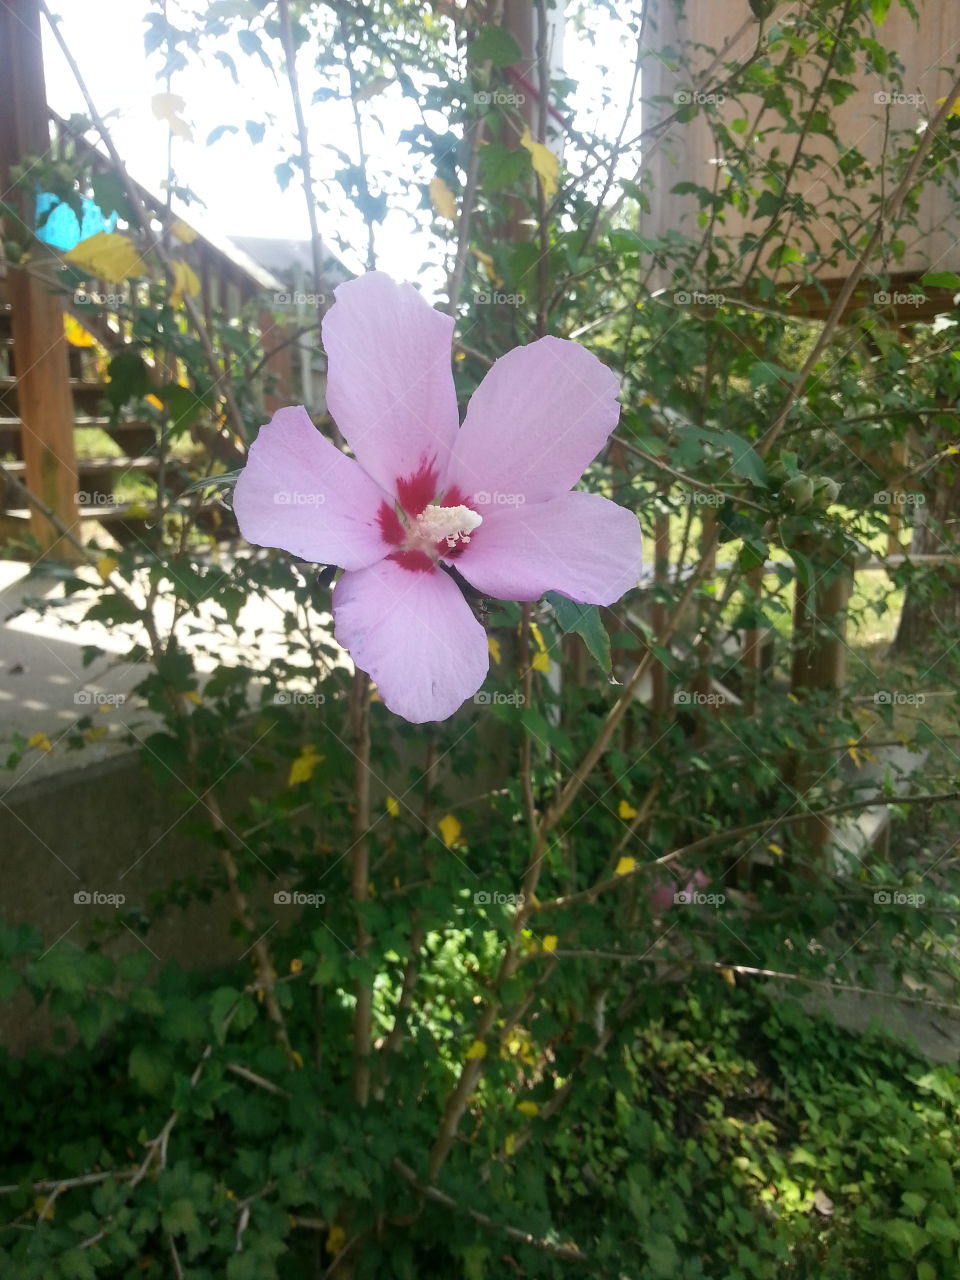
477,1050
48,1211
442,199
336,1239
76,334
168,107
449,828
106,566
538,637
392,807
545,164
625,866
108,255
155,402
184,233
138,510
297,1058
775,848
626,810
550,942
296,965
853,752
301,770
541,662
40,740
954,110
528,1108
493,647
489,266
374,696
511,1144
191,695
729,977
184,281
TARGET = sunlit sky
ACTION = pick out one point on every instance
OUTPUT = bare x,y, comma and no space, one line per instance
235,178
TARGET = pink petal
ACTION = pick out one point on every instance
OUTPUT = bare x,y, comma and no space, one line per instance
414,634
539,416
300,493
579,544
389,382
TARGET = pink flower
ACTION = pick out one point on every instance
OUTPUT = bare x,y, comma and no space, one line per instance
492,497
664,893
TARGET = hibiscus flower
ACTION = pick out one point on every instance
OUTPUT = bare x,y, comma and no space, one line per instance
421,493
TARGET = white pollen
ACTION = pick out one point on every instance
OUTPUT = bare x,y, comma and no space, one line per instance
447,524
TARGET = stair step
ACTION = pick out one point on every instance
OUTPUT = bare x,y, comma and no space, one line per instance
104,512
88,420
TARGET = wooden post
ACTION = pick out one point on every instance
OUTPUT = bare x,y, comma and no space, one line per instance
819,660
40,350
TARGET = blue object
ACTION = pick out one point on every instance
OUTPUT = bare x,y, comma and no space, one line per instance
61,230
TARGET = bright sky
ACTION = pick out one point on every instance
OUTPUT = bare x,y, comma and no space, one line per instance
234,177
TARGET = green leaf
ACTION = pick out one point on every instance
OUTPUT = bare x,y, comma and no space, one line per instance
940,280
180,1218
584,619
148,1069
494,44
879,10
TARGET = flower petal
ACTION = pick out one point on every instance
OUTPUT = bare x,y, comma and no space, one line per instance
539,416
414,634
389,381
300,493
580,545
